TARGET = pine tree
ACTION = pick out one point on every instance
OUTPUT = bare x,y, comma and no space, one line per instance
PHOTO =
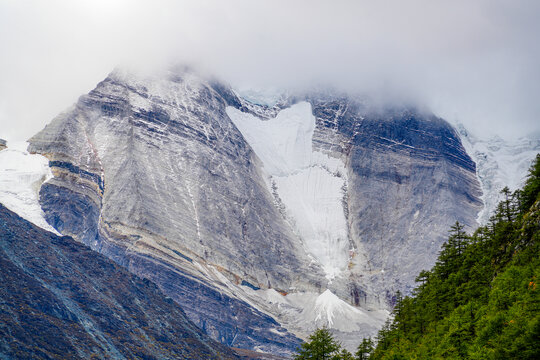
321,346
344,354
365,349
422,277
531,190
448,260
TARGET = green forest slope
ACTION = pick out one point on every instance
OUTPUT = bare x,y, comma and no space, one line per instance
482,298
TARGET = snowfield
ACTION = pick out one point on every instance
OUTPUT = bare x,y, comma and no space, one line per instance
21,176
310,186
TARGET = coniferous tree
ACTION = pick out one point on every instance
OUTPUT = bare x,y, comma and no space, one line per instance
452,249
321,346
344,354
365,349
422,277
529,194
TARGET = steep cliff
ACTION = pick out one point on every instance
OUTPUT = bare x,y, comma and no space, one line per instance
409,179
152,173
313,211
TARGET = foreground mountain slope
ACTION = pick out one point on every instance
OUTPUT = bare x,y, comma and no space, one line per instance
59,299
251,216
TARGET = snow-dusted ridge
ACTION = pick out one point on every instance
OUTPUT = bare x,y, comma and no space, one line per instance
308,183
21,176
499,163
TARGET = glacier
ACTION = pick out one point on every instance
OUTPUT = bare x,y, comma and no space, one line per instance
308,183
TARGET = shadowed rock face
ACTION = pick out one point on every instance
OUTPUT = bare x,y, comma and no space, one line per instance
60,299
410,179
153,173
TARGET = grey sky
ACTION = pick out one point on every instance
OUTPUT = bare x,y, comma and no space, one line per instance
473,61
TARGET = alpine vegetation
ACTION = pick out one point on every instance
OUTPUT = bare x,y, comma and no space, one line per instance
481,300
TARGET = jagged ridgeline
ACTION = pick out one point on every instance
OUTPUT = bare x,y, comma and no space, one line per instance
482,298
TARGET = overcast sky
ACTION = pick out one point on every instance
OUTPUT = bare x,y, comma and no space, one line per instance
477,62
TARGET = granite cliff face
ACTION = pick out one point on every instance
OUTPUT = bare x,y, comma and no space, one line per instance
409,179
60,299
310,212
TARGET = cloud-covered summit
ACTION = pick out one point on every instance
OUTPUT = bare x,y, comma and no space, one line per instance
470,61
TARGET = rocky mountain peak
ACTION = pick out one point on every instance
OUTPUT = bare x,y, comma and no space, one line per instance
257,211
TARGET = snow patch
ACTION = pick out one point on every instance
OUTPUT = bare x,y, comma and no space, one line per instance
329,307
309,184
21,176
284,143
328,310
313,198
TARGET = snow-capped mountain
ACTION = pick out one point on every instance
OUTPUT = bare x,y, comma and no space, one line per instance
263,219
499,163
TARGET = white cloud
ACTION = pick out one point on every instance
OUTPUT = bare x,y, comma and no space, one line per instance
474,61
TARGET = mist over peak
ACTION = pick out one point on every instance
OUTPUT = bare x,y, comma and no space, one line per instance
473,62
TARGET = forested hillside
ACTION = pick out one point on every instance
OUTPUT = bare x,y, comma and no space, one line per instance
482,298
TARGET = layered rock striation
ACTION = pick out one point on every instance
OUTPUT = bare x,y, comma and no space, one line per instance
409,180
153,174
257,218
